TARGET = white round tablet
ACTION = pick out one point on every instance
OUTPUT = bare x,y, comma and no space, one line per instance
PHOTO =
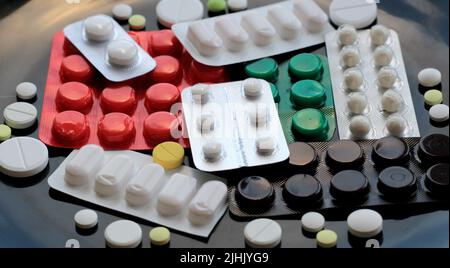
347,35
212,150
123,234
99,28
170,12
26,90
391,101
357,103
86,219
439,113
365,223
122,52
359,13
237,5
430,77
252,87
387,77
313,222
350,56
360,126
205,123
122,12
353,79
20,115
383,55
379,35
23,157
262,233
396,125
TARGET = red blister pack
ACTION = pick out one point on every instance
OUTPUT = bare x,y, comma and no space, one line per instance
82,107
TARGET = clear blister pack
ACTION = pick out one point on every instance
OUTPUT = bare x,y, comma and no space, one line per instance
183,199
253,34
233,125
370,85
109,48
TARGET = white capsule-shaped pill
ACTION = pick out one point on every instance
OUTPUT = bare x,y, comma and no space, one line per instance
353,79
357,103
347,35
430,77
266,145
313,18
360,126
122,53
350,56
387,77
259,115
200,93
114,175
259,29
204,39
86,163
233,35
205,123
176,194
383,55
99,28
143,186
391,101
396,125
212,151
285,23
379,35
206,203
252,87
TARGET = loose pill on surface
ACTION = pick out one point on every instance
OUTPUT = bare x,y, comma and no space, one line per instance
176,194
207,202
20,115
379,35
159,236
5,132
237,5
383,55
396,124
387,77
433,97
169,154
350,56
357,103
212,151
391,101
99,28
326,239
262,233
170,12
313,222
137,22
122,52
347,35
26,90
86,219
216,6
360,126
122,12
438,113
123,234
365,223
430,77
266,145
204,39
86,163
353,79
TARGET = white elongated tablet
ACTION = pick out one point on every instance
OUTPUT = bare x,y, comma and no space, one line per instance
143,186
123,234
84,165
359,13
365,223
122,12
313,222
170,12
260,30
311,15
26,90
208,200
20,115
113,176
262,233
23,157
176,194
233,35
204,39
439,113
86,219
285,22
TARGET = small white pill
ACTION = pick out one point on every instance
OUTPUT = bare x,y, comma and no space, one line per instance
379,35
233,35
383,55
350,56
259,115
114,175
430,77
357,103
353,79
212,150
204,39
237,5
360,126
313,222
365,223
143,186
262,233
176,194
122,12
26,90
259,29
252,87
387,77
86,219
123,234
206,203
347,35
285,23
200,93
439,113
83,167
205,123
170,12
391,101
20,115
266,145
311,15
122,52
396,125
99,28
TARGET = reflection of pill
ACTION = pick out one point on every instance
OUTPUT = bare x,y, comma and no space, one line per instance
311,15
137,22
122,12
266,69
262,233
391,101
169,154
232,34
122,52
237,5
439,113
353,79
357,103
86,163
396,124
70,126
159,236
200,93
116,128
308,94
430,77
99,28
176,194
326,239
433,97
313,222
143,186
5,132
266,145
285,23
360,126
206,203
86,219
365,223
26,90
306,66
383,55
212,150
259,29
20,115
123,234
347,35
387,77
379,35
120,99
252,87
111,179
170,12
204,39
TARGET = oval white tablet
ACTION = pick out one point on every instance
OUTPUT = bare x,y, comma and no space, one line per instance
86,219
143,186
123,234
252,87
122,12
237,5
285,23
430,77
313,18
259,29
23,157
350,56
396,125
204,39
20,115
365,223
391,101
266,145
439,113
232,34
346,35
122,52
176,194
387,77
170,12
86,163
212,151
206,203
379,35
113,176
200,93
353,79
359,13
360,126
313,222
98,28
26,90
262,233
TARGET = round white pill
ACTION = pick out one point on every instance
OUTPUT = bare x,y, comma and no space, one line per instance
350,56
387,77
347,35
170,12
259,115
391,101
122,52
383,55
20,115
200,93
99,28
212,151
360,126
237,5
313,222
23,157
365,223
205,123
439,113
122,12
357,103
262,233
430,77
252,87
123,234
266,145
379,35
396,124
26,90
353,79
359,13
86,219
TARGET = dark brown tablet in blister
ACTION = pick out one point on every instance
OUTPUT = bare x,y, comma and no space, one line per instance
302,155
436,179
390,151
302,190
349,185
255,193
397,183
433,149
344,155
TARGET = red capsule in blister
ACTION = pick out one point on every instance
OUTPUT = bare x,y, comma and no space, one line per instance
74,96
120,99
161,97
116,128
158,127
69,48
168,70
200,73
165,43
70,126
76,68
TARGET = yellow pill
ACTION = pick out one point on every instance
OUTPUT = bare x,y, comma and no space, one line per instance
159,236
5,132
433,97
136,22
326,239
169,154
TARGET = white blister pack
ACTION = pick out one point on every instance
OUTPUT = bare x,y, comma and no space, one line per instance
109,48
233,125
184,199
370,85
256,33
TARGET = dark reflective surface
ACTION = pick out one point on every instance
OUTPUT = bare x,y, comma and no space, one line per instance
31,215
